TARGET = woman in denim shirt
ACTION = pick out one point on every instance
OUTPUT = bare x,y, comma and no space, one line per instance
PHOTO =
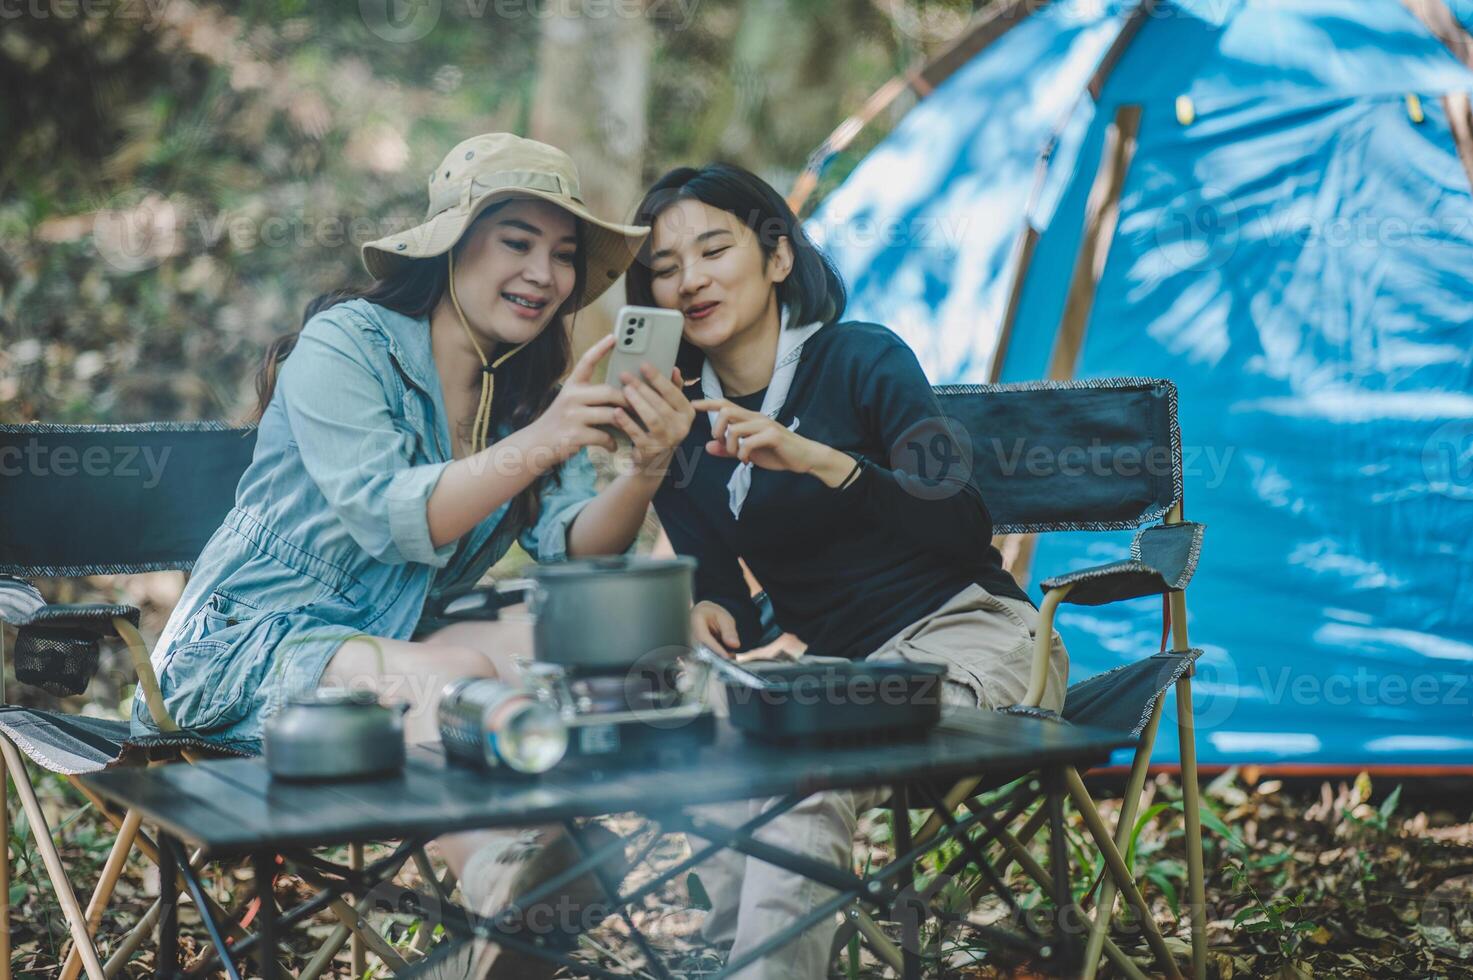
412,434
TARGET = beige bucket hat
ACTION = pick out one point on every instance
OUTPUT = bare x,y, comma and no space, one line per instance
494,167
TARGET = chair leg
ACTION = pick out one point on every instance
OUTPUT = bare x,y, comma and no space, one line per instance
129,944
879,943
116,859
1039,874
354,920
858,919
1025,834
55,870
1115,862
4,865
1191,810
364,932
1129,803
959,793
148,849
426,932
323,957
440,886
343,932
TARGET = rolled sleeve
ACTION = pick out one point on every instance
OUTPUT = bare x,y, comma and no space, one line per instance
547,540
336,390
409,526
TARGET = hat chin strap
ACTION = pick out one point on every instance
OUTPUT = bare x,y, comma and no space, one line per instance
480,431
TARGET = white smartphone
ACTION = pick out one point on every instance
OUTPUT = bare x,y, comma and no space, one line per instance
643,335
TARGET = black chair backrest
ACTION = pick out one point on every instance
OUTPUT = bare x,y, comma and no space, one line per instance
1094,455
1048,456
109,499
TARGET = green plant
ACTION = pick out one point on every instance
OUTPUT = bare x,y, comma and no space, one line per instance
1270,917
1375,825
1379,821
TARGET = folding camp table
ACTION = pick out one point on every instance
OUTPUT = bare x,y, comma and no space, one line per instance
232,808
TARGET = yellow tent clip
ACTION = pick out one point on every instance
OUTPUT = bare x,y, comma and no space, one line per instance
1414,109
1186,113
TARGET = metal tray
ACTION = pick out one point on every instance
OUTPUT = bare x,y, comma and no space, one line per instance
839,701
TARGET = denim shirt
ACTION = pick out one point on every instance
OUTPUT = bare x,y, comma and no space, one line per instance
329,536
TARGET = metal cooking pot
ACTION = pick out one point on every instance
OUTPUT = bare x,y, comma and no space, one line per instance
610,614
332,733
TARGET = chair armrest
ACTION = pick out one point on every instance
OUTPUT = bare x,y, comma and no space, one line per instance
19,600
85,617
1163,559
1113,582
56,643
57,647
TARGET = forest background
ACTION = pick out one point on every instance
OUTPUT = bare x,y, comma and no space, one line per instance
178,179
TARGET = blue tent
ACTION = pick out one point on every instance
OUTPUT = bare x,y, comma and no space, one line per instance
1269,202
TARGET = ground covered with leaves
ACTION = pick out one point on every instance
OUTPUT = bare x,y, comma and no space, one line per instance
1334,879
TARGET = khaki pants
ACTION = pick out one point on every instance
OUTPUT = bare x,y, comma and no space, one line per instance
986,642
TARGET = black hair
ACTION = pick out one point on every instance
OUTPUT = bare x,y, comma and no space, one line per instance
812,291
414,289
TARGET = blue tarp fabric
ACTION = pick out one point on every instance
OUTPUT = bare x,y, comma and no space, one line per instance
1299,259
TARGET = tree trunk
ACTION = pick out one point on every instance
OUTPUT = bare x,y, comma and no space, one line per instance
590,100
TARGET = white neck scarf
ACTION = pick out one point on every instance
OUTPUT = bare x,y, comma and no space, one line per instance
789,349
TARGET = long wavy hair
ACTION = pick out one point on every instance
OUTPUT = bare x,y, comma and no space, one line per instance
521,394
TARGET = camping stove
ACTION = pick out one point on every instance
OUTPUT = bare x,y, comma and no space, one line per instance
636,717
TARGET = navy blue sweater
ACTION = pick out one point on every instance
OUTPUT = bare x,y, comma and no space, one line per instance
845,569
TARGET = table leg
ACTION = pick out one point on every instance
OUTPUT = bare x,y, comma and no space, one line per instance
197,891
166,963
1063,896
610,888
910,918
264,866
357,954
4,843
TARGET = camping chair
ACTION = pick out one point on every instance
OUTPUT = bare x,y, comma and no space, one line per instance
101,500
96,500
1109,458
1095,455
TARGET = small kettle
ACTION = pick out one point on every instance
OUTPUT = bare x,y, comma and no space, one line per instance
335,733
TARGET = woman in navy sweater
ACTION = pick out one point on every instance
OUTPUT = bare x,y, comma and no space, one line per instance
819,458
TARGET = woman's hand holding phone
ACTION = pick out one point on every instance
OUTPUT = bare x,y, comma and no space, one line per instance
585,413
666,414
582,409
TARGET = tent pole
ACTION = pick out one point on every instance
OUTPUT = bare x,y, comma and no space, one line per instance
990,26
1101,216
1460,121
1437,18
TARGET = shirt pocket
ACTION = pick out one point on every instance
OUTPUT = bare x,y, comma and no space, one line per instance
196,689
221,611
